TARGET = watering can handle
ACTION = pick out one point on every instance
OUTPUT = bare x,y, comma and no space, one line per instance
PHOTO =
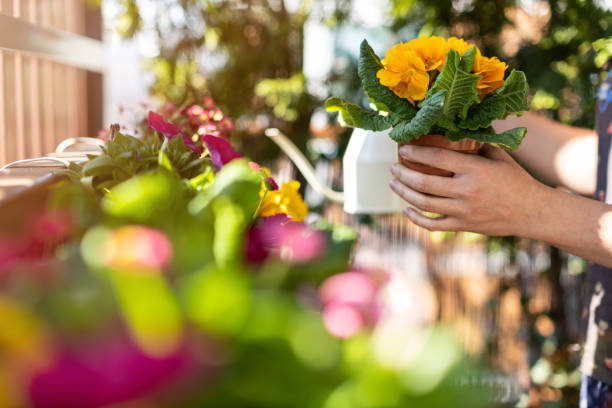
303,165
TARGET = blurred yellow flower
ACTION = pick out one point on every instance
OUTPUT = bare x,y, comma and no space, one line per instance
286,200
432,50
404,73
492,72
459,45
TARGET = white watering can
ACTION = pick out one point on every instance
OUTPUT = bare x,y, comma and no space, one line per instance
366,172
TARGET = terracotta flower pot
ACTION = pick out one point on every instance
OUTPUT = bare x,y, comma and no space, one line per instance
463,146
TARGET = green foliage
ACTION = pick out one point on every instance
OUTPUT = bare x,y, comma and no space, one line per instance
355,116
468,59
125,156
510,139
514,93
381,96
563,61
429,114
458,86
452,104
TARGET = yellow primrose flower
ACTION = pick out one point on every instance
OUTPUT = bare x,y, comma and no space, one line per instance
459,45
432,50
492,72
286,200
404,73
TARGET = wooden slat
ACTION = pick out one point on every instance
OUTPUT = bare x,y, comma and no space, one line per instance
61,46
19,94
35,103
47,95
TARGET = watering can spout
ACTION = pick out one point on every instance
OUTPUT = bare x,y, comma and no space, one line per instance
366,174
303,165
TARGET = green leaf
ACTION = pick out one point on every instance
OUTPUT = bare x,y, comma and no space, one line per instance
426,117
481,115
164,161
102,165
510,139
202,180
515,92
458,86
144,198
236,180
355,116
468,59
369,64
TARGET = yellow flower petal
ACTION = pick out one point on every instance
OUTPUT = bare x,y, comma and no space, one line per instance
286,200
388,78
432,51
404,72
459,45
492,71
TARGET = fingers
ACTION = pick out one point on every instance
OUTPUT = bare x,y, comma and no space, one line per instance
422,201
424,183
441,158
432,224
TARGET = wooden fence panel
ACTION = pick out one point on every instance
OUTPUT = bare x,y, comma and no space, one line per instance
48,94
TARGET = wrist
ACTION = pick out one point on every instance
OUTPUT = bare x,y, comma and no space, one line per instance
537,213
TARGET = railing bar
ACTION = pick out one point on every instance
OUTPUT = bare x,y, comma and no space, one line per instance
71,73
59,85
3,141
62,46
19,99
35,101
47,90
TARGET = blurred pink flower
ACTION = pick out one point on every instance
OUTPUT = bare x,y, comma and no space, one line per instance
351,287
11,253
195,111
52,226
221,152
227,125
46,231
158,124
347,293
254,166
290,241
209,103
138,247
106,373
342,320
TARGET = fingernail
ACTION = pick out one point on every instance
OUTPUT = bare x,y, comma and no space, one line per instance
403,150
393,183
394,168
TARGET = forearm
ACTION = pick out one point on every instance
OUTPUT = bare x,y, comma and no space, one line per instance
561,155
577,225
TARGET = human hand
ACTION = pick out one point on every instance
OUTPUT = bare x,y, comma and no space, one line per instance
489,194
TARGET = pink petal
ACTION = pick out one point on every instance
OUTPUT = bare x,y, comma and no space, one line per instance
341,320
221,151
271,184
190,143
290,241
351,287
157,123
106,373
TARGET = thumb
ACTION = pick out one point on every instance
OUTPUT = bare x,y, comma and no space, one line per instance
495,153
